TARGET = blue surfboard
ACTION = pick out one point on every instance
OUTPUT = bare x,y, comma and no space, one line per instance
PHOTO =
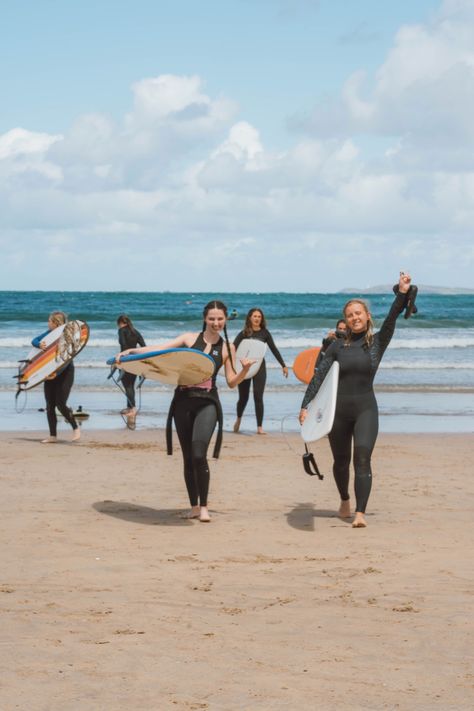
174,366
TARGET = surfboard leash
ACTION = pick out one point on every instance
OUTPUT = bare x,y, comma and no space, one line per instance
309,462
118,382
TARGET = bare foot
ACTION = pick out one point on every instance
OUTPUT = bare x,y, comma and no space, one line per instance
204,515
260,430
193,513
344,509
237,424
76,434
49,440
359,520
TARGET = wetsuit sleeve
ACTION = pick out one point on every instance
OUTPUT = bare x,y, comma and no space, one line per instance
122,336
36,341
238,339
140,339
319,375
271,344
384,336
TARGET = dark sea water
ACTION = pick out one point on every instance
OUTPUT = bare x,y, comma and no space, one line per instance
427,371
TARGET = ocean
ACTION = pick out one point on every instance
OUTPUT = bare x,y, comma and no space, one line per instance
425,382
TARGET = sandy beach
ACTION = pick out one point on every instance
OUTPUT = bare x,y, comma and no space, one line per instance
111,601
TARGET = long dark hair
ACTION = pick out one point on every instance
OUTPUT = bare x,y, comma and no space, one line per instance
222,307
123,318
248,330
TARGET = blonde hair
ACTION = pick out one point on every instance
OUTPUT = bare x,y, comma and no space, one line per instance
369,336
58,318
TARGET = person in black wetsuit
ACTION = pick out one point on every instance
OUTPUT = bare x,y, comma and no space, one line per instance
356,418
196,410
129,337
58,387
256,327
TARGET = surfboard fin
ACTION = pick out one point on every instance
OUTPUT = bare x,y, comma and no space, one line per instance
309,464
410,306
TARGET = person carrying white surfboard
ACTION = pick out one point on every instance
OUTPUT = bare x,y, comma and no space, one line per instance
356,417
256,328
58,387
196,409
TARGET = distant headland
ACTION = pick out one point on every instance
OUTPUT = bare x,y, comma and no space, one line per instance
382,289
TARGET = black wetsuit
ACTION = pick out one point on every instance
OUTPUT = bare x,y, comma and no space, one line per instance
260,378
196,411
56,393
356,408
129,338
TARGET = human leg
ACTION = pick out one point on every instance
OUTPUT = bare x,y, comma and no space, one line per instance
203,427
50,397
259,381
183,419
244,392
340,440
365,435
128,382
64,383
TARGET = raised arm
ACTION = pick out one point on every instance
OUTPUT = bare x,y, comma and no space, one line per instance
185,340
387,329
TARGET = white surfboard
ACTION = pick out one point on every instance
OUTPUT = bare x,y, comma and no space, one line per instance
62,344
173,366
253,349
322,408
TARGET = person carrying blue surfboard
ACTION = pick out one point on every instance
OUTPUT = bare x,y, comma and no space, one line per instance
196,409
356,417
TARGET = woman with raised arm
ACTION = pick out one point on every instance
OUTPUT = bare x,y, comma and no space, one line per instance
356,419
196,409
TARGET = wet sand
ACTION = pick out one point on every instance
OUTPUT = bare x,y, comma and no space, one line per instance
111,601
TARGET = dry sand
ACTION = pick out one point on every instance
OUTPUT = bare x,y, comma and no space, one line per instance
111,601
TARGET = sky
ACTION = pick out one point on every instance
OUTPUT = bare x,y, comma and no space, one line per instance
245,145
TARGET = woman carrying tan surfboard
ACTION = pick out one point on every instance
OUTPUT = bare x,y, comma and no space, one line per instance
196,409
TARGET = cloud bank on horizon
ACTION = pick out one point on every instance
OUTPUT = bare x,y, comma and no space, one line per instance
182,193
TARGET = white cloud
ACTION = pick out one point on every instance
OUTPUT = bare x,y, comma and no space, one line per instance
182,194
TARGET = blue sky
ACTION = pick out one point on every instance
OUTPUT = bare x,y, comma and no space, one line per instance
250,145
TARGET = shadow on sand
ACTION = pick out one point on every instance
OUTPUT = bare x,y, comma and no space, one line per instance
134,513
302,516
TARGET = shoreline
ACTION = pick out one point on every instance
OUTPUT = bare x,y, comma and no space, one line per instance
110,600
399,412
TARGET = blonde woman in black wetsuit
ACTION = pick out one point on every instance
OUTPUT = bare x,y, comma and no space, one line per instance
356,418
196,410
57,387
256,327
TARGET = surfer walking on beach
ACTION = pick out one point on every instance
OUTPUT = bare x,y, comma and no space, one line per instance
197,409
129,337
356,418
256,327
58,387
